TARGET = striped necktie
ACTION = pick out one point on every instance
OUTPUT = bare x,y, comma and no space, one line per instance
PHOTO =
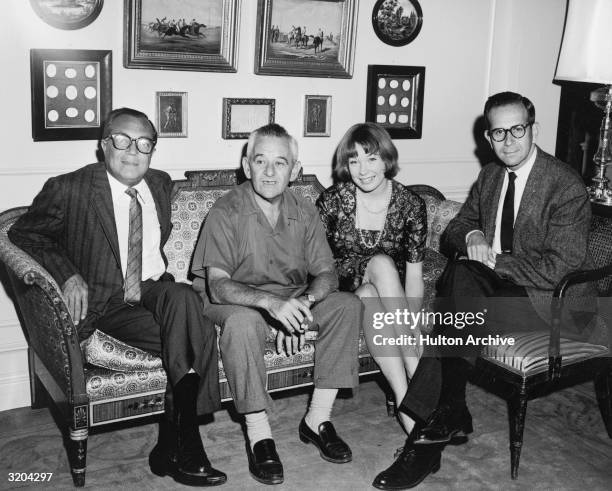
133,273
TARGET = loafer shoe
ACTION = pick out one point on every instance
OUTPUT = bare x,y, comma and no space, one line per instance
450,425
264,463
413,465
331,447
185,468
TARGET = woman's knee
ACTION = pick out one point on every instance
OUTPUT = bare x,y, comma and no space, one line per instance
380,268
366,290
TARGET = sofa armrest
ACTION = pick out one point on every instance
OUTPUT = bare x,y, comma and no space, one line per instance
44,315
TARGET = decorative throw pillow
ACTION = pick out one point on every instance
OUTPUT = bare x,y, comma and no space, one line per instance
104,351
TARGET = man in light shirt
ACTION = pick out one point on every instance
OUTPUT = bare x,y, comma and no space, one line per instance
523,227
100,232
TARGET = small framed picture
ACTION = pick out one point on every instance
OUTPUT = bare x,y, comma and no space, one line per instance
241,116
171,114
395,99
317,115
71,93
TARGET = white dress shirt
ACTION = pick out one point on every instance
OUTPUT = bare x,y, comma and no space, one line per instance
152,263
519,188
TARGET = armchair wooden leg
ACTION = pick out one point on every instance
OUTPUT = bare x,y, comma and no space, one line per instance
603,391
517,409
77,454
38,393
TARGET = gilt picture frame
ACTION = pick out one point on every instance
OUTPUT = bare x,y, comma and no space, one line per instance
171,114
317,115
242,116
171,35
306,38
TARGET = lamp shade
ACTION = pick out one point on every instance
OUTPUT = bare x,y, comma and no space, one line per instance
586,50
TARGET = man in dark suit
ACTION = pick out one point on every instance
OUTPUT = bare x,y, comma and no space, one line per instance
100,232
524,226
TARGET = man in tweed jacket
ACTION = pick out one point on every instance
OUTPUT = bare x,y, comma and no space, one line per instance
523,227
79,228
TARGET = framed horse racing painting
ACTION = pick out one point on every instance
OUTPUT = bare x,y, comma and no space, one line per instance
306,38
181,35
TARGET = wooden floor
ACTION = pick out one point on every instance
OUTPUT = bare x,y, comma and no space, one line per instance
566,447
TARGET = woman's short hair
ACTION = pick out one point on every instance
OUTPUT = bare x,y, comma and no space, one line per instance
373,139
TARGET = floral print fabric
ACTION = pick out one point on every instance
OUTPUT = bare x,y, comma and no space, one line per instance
403,239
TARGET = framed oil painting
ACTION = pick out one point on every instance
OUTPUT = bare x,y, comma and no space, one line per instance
171,114
306,38
317,115
196,35
71,93
395,99
67,14
397,22
241,116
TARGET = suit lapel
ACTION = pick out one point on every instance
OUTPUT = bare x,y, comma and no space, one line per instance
531,194
162,206
493,193
103,206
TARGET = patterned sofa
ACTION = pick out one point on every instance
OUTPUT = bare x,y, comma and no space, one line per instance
103,380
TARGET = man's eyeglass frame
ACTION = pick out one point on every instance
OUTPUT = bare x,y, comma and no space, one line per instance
132,140
521,129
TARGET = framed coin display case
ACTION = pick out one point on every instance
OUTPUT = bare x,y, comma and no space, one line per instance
395,99
71,93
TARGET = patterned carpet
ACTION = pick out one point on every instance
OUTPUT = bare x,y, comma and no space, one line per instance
565,447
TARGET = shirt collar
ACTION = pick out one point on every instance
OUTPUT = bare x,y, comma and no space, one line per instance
118,188
288,206
524,171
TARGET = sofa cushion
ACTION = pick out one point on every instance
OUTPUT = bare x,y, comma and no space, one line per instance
104,351
439,214
529,354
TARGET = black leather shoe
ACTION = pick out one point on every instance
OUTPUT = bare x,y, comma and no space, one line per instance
447,424
412,466
264,463
185,468
331,447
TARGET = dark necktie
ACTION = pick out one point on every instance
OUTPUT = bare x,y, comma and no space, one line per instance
133,273
507,220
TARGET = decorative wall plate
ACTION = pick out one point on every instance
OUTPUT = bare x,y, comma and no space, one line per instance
397,22
67,14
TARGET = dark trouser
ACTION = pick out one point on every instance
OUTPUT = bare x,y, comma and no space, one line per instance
242,343
465,286
168,321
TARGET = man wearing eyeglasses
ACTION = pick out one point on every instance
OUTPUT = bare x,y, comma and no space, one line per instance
524,226
100,232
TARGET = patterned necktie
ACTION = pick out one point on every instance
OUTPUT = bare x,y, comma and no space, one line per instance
133,273
507,221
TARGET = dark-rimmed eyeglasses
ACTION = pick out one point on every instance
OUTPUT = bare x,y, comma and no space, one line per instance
517,131
121,141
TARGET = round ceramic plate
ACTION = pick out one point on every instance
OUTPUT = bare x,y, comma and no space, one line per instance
67,14
397,22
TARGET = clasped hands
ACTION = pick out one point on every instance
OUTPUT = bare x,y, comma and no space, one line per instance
479,250
295,316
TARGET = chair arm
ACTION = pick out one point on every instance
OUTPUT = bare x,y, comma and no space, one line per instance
46,321
556,309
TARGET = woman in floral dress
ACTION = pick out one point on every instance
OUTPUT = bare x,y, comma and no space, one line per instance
377,228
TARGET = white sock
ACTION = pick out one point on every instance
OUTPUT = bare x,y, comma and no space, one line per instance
320,407
258,427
